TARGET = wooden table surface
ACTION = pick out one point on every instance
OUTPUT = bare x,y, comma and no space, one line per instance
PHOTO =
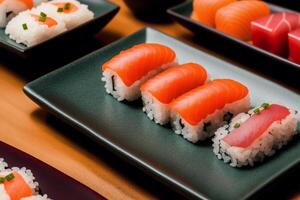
25,126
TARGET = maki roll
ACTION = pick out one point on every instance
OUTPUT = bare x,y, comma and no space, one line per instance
198,113
32,27
253,135
126,72
17,184
160,90
69,11
10,8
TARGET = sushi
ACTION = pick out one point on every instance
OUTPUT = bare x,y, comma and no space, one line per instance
294,46
17,183
198,113
253,135
32,27
71,12
160,90
205,11
271,32
235,18
125,72
10,8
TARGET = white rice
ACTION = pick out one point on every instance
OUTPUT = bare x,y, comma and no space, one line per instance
206,127
10,8
3,165
36,32
82,15
37,197
115,86
277,135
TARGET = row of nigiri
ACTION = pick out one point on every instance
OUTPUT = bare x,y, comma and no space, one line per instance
252,20
183,94
49,19
18,184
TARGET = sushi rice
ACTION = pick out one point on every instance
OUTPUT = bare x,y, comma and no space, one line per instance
277,135
201,131
116,87
73,19
36,32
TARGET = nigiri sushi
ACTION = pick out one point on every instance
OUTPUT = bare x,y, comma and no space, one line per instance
10,8
16,184
125,72
294,46
160,90
33,27
204,11
271,32
198,113
253,135
71,12
235,18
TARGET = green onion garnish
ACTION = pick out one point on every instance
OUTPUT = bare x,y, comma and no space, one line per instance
25,27
43,17
265,105
10,177
237,125
67,6
2,179
257,111
60,9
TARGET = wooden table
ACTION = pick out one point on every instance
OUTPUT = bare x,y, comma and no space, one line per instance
24,125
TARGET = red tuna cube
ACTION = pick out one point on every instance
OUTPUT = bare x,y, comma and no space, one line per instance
271,33
294,46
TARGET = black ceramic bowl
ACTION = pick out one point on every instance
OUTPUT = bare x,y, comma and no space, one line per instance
151,10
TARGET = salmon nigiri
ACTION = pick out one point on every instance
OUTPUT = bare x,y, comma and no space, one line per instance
235,19
10,8
160,90
15,185
199,112
253,135
204,11
125,72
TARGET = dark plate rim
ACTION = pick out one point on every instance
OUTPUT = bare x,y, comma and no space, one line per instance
115,8
118,151
173,13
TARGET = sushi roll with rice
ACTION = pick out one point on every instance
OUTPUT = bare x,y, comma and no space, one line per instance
69,11
32,27
126,72
160,90
22,179
10,8
253,135
198,113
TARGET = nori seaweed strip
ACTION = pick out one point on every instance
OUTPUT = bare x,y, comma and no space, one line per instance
113,83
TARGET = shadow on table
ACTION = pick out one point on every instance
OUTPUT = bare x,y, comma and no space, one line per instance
53,58
117,164
260,65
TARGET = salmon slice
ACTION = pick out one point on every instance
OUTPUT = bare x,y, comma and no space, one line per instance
134,63
256,126
205,10
198,103
48,20
235,19
271,32
175,81
17,188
